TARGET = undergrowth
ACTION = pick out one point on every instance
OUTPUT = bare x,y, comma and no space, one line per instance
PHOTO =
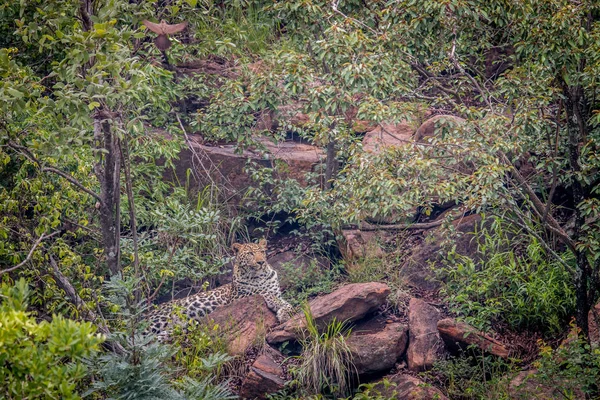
511,280
326,365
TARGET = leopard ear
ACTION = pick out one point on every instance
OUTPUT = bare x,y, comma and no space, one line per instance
236,247
263,243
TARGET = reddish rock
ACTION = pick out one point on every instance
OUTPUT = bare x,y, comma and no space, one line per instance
429,127
425,346
458,333
349,303
243,323
376,347
407,387
385,135
264,378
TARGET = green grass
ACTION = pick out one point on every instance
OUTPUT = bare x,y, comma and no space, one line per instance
326,365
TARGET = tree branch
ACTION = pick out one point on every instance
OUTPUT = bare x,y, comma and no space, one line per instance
27,154
42,237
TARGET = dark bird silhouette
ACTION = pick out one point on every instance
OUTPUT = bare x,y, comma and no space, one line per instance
164,30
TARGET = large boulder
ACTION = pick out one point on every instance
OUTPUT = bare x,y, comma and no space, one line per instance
243,323
265,377
407,387
349,303
385,135
425,346
461,335
225,166
376,346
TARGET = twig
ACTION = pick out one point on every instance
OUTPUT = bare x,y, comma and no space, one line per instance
35,245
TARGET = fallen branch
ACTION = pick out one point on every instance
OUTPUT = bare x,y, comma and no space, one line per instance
89,315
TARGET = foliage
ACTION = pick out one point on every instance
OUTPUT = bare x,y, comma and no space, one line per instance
572,368
511,279
326,362
310,280
200,350
40,360
148,369
477,376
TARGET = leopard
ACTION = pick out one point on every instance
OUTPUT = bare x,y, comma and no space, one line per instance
251,275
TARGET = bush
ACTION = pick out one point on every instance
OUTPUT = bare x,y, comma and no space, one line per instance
40,360
326,362
515,282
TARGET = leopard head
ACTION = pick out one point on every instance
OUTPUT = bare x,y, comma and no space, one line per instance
250,258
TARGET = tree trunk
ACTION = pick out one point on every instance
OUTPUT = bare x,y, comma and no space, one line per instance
577,129
330,164
108,172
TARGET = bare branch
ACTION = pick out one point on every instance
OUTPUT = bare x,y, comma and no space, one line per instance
42,237
27,154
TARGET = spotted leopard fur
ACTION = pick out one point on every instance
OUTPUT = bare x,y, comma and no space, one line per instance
251,275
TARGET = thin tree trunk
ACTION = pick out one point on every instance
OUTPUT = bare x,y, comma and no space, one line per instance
577,131
330,164
108,172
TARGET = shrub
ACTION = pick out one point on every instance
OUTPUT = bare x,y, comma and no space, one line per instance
326,362
514,281
40,360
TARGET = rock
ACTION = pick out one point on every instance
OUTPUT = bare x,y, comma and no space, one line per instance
225,167
429,127
527,386
385,135
417,271
264,377
243,323
355,243
425,346
349,303
376,346
593,324
456,333
407,387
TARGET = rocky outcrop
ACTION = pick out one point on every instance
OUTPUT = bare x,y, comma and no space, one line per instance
425,346
376,346
407,387
265,377
385,135
349,303
243,323
224,166
461,335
